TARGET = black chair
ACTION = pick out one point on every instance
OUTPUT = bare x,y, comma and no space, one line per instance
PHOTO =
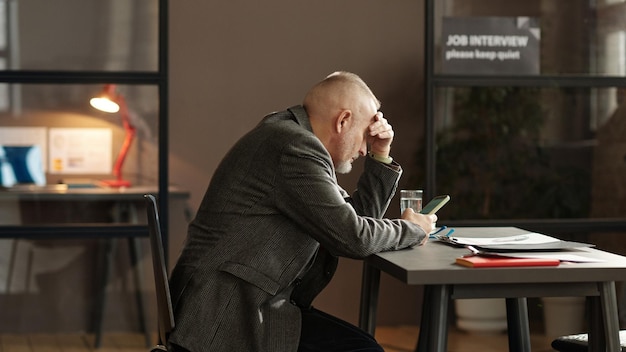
164,302
580,342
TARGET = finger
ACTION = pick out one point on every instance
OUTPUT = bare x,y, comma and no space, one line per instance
378,121
381,127
385,134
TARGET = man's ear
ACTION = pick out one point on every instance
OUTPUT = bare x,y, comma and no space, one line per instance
343,120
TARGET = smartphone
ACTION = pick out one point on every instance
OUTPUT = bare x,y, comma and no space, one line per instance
435,204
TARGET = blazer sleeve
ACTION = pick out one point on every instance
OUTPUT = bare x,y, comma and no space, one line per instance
375,188
312,198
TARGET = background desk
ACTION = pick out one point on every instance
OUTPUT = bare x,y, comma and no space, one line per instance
48,215
432,265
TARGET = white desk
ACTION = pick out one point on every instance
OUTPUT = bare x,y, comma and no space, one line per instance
432,265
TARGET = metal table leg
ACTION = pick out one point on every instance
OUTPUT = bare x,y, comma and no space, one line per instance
369,298
608,301
439,298
135,253
121,212
517,323
110,245
422,342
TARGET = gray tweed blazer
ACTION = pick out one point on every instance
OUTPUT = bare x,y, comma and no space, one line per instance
267,235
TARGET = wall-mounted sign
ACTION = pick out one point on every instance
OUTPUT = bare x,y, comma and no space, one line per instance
490,45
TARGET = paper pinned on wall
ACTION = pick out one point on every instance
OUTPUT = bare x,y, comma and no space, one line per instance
24,136
80,150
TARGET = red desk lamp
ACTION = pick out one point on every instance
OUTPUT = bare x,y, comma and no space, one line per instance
110,101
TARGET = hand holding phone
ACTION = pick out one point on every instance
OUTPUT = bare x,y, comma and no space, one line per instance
435,204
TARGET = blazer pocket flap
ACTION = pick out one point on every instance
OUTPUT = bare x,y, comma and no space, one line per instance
252,276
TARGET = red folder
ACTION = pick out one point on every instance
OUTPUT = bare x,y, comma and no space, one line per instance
476,261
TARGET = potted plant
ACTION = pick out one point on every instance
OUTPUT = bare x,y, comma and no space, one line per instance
490,158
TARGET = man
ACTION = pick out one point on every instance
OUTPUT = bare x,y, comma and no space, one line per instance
273,221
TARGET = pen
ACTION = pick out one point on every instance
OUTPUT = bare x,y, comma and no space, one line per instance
473,250
432,235
446,237
519,238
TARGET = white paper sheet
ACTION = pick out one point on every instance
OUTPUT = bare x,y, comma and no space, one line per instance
526,238
80,150
562,256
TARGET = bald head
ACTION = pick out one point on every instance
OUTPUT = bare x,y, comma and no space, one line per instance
338,91
341,108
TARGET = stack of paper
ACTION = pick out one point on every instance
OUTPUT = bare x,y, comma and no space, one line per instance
508,250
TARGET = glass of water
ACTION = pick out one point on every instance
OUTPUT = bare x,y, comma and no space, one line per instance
411,198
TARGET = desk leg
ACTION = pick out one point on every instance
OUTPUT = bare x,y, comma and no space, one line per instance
517,324
596,327
608,301
603,319
435,329
369,298
422,341
622,305
109,253
127,212
135,253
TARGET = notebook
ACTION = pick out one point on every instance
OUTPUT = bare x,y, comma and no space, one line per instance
475,261
21,165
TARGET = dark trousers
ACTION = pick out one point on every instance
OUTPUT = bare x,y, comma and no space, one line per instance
322,332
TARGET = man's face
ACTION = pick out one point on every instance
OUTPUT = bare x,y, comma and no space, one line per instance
353,143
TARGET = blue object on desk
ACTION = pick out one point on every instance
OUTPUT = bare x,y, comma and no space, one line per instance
434,234
21,164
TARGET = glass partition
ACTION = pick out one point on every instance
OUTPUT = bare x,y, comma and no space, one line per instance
530,153
76,150
96,35
63,203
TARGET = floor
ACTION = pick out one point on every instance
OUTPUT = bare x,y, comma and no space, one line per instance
393,339
404,339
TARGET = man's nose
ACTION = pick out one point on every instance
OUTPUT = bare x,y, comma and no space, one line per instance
363,149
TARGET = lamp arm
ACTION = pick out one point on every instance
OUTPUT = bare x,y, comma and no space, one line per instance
128,139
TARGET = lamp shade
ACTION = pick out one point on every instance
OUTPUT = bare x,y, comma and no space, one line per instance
106,101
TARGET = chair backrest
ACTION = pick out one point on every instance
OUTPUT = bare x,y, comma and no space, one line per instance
164,302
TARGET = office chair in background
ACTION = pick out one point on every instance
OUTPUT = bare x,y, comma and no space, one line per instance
580,342
164,302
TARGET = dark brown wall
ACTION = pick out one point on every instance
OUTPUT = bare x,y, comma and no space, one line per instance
234,61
